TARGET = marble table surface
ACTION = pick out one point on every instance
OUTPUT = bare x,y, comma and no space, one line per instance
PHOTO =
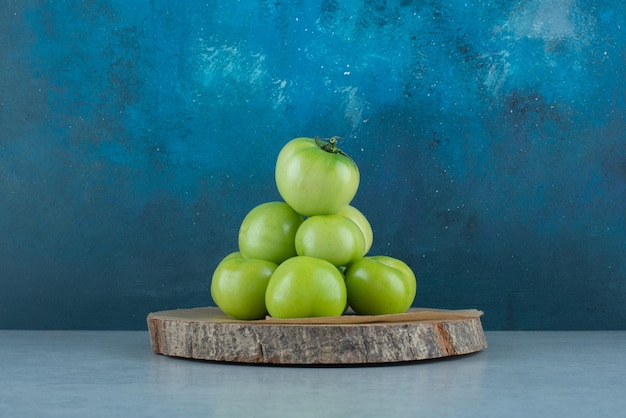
114,373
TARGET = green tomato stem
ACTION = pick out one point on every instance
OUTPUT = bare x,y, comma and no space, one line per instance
330,145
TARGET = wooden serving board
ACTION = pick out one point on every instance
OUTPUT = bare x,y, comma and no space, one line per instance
420,334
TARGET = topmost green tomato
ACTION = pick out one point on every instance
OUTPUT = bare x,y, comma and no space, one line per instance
315,177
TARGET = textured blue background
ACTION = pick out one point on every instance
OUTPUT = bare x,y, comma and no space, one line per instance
135,136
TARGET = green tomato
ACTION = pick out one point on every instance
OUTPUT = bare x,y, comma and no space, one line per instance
361,221
333,238
238,286
268,232
315,177
304,287
380,285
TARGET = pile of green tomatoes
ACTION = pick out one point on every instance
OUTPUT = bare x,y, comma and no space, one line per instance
306,256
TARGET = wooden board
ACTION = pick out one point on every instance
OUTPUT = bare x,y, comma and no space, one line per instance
420,334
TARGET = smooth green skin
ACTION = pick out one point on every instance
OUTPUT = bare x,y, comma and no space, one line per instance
333,238
361,221
380,285
313,181
268,232
304,287
238,286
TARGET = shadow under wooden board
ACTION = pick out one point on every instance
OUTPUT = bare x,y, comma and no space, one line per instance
420,334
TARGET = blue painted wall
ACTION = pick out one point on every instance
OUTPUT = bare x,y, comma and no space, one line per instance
491,138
